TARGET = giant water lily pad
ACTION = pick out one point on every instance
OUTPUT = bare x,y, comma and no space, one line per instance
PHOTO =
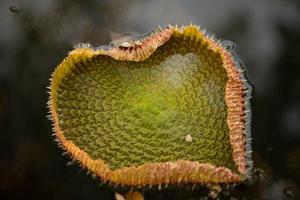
168,108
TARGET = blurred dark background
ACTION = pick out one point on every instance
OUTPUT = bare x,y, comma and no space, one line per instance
35,35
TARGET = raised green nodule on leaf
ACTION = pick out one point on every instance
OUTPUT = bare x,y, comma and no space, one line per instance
170,107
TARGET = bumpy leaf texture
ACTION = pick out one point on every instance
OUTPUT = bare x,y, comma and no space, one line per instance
171,107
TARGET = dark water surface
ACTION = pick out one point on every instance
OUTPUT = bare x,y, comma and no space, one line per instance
36,35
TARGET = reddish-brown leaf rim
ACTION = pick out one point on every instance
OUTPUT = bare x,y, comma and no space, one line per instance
181,171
